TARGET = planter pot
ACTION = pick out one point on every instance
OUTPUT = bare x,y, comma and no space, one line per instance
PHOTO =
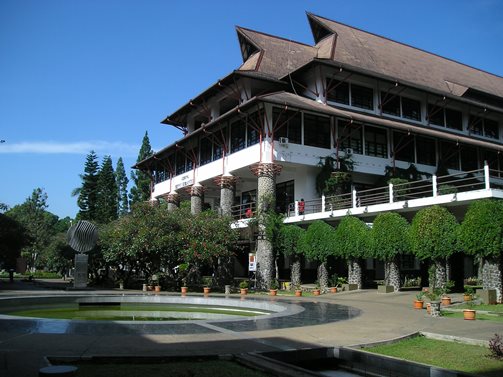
487,296
157,288
469,314
446,301
333,290
385,289
150,287
418,304
121,285
298,292
467,297
184,291
273,292
144,287
349,287
206,290
243,291
316,292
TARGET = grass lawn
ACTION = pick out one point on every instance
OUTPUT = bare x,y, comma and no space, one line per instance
479,316
489,308
208,368
449,355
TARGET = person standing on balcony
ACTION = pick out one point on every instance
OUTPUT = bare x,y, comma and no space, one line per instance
302,206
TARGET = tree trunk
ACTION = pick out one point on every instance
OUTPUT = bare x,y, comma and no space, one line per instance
492,276
392,270
295,273
323,277
440,274
355,275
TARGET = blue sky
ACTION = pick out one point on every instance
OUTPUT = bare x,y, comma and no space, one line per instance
96,74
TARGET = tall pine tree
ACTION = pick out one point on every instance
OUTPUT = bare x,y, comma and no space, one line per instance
122,182
140,192
107,192
88,192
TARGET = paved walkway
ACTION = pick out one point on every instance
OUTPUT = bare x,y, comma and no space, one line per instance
383,317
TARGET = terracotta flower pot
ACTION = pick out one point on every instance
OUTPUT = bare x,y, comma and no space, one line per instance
206,290
333,290
184,291
243,291
418,304
316,292
157,288
469,314
298,292
467,297
446,301
273,292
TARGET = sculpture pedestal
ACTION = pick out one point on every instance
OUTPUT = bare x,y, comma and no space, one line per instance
80,275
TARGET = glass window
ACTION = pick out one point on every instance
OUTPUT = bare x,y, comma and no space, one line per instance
206,149
288,124
188,159
284,196
468,158
490,157
436,115
491,129
362,97
411,109
391,104
425,150
238,134
217,152
454,119
180,163
338,91
316,131
449,153
403,147
350,136
376,143
476,126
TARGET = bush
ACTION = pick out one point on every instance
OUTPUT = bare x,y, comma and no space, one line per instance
496,346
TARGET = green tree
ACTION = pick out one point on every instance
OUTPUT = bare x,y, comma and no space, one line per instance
352,242
140,191
88,192
122,191
13,237
290,242
318,245
389,239
59,256
481,235
433,236
39,224
106,200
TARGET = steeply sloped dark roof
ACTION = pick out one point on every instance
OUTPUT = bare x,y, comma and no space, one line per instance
358,48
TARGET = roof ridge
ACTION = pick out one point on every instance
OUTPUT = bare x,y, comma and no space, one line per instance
406,45
274,36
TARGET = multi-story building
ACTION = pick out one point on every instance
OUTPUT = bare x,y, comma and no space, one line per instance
385,105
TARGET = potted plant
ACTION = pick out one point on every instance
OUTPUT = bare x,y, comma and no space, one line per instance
243,287
419,302
316,290
207,281
468,295
184,288
273,288
446,300
298,290
382,287
333,283
470,313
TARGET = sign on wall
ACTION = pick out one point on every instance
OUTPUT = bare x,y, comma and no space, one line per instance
252,262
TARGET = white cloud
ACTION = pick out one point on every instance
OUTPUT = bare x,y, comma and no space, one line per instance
79,147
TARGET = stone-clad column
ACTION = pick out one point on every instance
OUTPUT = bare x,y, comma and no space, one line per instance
196,199
173,200
227,184
266,201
